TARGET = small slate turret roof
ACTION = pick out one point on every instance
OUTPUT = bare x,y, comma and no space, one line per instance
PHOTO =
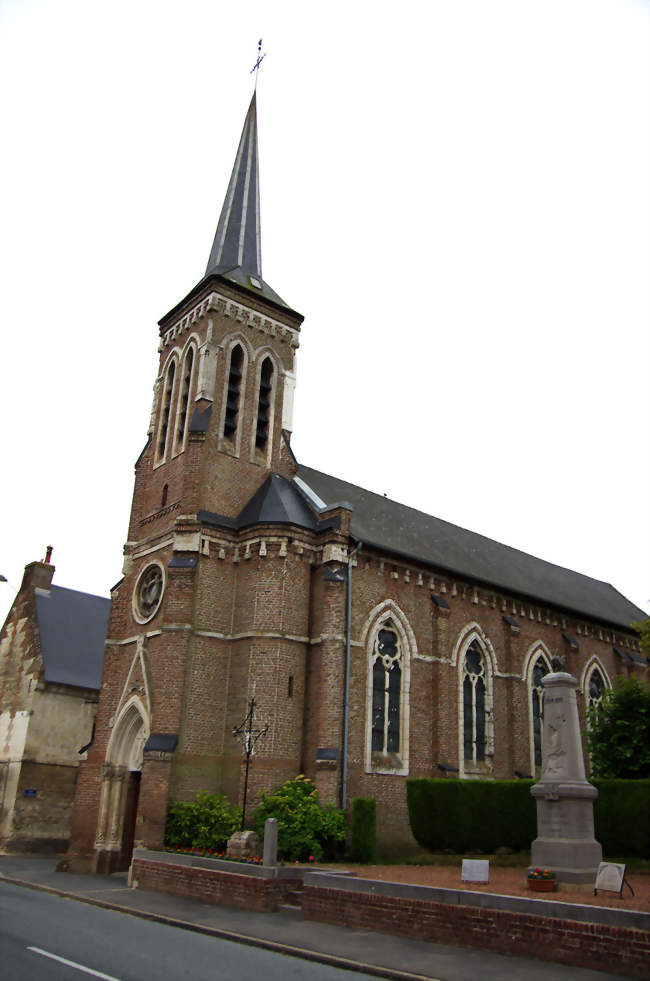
237,248
72,627
392,527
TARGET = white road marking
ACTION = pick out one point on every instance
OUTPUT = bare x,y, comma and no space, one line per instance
78,967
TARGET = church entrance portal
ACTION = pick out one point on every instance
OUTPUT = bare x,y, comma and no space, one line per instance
121,775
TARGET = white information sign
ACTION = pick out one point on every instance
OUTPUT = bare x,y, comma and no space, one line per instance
475,870
610,877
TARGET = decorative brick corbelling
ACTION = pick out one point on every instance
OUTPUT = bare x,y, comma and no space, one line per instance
160,514
238,312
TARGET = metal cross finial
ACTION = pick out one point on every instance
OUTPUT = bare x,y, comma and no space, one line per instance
249,736
260,59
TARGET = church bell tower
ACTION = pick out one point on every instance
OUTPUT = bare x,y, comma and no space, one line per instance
200,619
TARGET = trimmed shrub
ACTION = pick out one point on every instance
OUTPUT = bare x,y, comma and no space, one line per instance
464,815
363,826
306,831
622,817
476,815
205,823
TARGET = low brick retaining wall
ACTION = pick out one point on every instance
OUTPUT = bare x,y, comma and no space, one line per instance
598,938
595,937
252,888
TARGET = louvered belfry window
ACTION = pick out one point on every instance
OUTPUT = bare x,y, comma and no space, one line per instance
234,392
264,405
184,399
166,409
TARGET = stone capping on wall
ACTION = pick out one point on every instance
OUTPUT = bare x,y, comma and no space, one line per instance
594,937
627,919
325,879
223,865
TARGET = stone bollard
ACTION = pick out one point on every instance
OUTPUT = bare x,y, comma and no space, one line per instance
270,843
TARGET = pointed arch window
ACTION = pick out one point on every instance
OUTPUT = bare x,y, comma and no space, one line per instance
184,400
541,667
264,405
476,702
386,691
233,394
595,690
168,391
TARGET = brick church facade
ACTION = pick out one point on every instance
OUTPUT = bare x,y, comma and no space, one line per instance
377,641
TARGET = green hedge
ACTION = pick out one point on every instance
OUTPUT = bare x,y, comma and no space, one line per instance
483,815
622,817
363,828
476,815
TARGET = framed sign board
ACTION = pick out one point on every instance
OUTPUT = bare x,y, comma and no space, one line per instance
475,870
611,878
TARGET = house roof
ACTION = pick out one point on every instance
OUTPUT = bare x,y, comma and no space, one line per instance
419,537
72,628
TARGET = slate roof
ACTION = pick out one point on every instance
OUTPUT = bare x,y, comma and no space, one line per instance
72,628
392,527
276,502
237,248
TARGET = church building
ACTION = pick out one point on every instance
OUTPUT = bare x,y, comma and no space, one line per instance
377,641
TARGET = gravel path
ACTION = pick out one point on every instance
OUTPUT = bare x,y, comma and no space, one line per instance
507,882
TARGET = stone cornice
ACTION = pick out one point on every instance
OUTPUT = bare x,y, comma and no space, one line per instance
238,312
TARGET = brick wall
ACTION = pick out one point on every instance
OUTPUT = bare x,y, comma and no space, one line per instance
591,945
255,894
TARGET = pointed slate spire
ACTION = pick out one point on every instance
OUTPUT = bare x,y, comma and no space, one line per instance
236,250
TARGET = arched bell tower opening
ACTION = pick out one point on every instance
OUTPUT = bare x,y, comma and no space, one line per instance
121,775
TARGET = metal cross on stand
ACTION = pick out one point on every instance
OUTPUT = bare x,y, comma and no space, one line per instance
249,736
260,59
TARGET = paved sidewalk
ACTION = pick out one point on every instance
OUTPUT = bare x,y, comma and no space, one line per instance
373,953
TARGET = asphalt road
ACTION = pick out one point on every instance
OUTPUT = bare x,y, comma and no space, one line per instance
46,938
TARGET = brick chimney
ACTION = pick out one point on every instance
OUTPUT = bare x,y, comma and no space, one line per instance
39,574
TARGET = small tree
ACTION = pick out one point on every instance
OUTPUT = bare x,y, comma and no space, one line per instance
305,829
205,823
619,733
644,640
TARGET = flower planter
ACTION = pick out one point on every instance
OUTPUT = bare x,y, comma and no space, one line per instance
542,885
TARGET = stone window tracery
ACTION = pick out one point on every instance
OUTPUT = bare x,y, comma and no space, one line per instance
596,688
148,592
541,667
390,645
476,726
386,691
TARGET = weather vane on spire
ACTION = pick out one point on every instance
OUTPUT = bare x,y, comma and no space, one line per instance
260,59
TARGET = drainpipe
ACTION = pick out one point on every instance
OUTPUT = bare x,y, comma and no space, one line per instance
346,704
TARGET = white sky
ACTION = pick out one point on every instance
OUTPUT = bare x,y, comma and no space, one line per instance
454,194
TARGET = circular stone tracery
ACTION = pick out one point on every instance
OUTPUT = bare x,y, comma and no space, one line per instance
148,592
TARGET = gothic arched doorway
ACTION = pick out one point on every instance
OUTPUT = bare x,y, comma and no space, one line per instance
120,789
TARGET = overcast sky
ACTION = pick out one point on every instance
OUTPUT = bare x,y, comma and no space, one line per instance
454,194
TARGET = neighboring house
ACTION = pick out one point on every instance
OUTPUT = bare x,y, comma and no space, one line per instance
379,642
51,652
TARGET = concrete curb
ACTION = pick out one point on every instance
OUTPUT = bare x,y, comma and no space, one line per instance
273,945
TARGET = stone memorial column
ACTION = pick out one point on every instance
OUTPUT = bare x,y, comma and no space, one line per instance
565,841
